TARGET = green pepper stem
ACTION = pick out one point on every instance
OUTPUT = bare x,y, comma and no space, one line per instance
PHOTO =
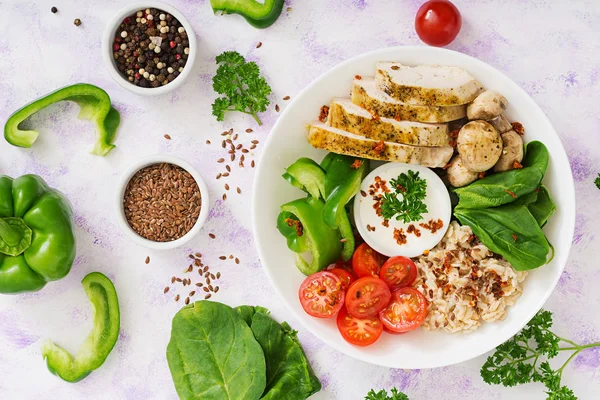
8,234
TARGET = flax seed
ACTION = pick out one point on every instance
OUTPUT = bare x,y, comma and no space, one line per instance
220,160
147,260
187,300
167,137
207,296
219,175
166,289
286,98
222,258
239,190
232,157
216,289
178,279
218,275
198,255
245,150
173,279
208,142
277,107
258,45
228,168
205,270
226,174
206,274
223,144
224,197
211,235
249,130
192,293
199,284
252,147
252,164
211,288
191,256
226,186
176,297
254,141
205,289
191,267
212,276
235,137
241,164
237,260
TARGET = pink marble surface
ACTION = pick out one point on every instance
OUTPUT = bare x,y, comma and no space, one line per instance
550,47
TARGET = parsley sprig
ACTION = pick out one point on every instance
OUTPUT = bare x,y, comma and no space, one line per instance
405,202
244,89
597,181
524,358
383,395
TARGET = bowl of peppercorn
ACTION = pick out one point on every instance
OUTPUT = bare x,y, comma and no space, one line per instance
149,48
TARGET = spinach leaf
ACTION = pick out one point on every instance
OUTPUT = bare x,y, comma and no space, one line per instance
213,354
506,187
247,312
543,207
510,231
289,374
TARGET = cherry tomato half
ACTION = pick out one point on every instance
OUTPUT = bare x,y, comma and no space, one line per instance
345,277
358,331
438,22
321,294
398,272
367,296
366,261
406,311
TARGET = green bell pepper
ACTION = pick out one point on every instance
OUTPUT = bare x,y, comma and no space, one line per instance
301,222
343,176
95,106
101,340
259,15
307,175
37,243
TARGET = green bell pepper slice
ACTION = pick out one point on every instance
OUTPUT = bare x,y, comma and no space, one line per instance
259,15
37,243
101,340
343,176
301,222
95,106
307,175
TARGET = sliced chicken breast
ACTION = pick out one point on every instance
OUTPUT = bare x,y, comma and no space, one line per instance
434,85
345,115
338,141
366,95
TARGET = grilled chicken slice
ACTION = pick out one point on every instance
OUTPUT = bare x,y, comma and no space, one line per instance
345,115
366,95
433,85
338,141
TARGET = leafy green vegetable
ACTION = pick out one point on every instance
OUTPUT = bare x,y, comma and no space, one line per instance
244,89
413,190
213,354
597,181
543,207
289,374
395,394
511,231
520,359
507,187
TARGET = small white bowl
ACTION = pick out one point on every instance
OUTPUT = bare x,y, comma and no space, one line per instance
122,186
107,51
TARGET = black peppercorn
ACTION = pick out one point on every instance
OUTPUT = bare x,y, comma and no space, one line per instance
77,22
54,10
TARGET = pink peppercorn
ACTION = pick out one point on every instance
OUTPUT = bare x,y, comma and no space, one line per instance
172,44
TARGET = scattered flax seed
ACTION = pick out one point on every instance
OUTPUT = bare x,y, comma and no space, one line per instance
252,164
235,136
224,196
211,235
363,193
207,296
220,160
205,289
258,45
222,258
147,260
173,279
237,260
219,175
187,300
254,141
277,107
212,276
395,67
211,288
225,133
191,256
226,186
239,146
166,289
239,190
228,168
286,98
208,142
233,157
226,174
199,284
206,275
176,297
167,137
218,275
205,270
242,158
178,279
223,144
249,130
192,293
231,256
190,268
216,289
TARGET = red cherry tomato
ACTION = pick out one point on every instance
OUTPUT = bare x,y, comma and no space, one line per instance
321,294
406,311
345,277
367,296
387,330
345,265
438,22
366,261
358,331
398,272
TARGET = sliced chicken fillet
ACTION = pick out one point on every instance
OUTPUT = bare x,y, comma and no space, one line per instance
345,115
434,85
338,141
366,95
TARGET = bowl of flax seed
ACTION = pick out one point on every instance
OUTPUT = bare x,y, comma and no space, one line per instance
162,202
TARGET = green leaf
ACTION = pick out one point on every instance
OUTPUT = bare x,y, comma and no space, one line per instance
383,395
213,354
406,202
597,181
543,207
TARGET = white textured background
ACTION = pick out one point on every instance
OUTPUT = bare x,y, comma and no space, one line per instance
551,48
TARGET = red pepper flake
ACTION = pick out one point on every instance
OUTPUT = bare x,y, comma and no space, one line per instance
401,188
445,167
324,113
481,175
432,225
378,147
512,194
397,117
454,134
297,224
356,164
518,127
399,236
452,143
517,165
386,223
357,77
414,230
395,67
375,116
514,237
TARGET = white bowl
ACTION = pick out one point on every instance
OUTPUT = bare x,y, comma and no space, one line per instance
107,51
122,185
419,348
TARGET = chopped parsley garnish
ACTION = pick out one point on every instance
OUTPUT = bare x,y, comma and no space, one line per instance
521,359
244,89
406,200
597,181
395,394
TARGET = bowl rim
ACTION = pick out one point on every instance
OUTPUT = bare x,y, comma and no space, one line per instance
483,66
106,48
120,193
